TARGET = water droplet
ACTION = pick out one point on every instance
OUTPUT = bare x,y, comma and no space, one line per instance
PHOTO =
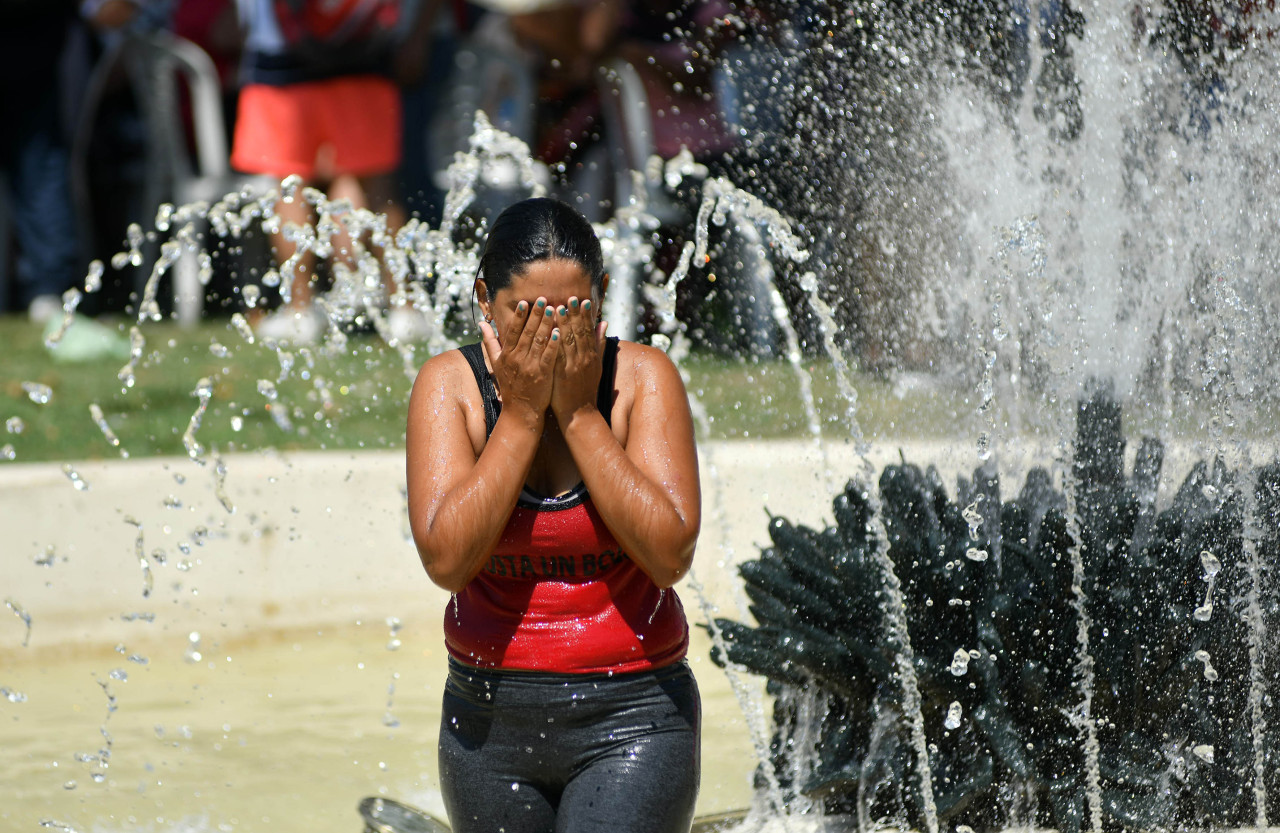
1204,612
984,446
960,662
12,696
193,647
93,278
100,419
46,558
119,674
15,425
954,713
1212,566
241,325
75,478
204,392
975,554
38,393
7,452
164,214
1210,673
1203,751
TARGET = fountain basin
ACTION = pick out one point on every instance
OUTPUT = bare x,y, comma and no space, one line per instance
295,600
252,684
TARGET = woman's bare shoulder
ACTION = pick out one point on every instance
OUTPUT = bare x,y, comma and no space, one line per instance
445,377
447,369
643,369
446,385
644,360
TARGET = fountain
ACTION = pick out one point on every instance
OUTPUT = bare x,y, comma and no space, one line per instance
1170,600
1064,209
1099,246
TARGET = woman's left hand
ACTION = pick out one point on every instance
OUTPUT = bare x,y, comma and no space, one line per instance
579,366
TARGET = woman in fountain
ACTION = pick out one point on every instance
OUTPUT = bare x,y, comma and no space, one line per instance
553,489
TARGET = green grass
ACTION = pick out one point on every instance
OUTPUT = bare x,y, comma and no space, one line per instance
356,398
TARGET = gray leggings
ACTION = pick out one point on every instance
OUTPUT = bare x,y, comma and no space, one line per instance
526,752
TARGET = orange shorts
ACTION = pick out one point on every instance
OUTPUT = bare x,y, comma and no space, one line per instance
318,129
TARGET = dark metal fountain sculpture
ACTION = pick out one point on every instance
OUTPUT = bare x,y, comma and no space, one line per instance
995,627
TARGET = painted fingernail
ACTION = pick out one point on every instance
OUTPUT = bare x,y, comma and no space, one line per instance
550,312
586,306
573,303
520,306
541,303
555,335
563,312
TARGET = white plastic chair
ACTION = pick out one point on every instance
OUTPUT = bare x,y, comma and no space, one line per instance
153,62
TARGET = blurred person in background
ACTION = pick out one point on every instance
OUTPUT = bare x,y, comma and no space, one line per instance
318,101
34,143
423,67
45,54
674,45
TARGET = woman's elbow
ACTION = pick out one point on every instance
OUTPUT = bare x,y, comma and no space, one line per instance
676,565
443,574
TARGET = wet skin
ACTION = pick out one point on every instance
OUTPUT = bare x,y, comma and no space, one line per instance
544,348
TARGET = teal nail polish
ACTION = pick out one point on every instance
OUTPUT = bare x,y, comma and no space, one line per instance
563,312
555,336
586,306
541,303
550,312
573,303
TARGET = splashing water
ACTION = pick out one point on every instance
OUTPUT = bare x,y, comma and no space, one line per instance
38,393
22,614
1046,317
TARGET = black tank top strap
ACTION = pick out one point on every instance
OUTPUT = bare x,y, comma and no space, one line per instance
609,367
474,354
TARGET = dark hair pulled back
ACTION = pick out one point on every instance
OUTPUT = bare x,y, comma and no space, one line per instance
538,229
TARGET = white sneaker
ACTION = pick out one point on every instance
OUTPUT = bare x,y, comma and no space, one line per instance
406,324
43,308
295,326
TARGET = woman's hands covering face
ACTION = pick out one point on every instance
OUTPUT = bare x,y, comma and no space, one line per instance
579,365
524,358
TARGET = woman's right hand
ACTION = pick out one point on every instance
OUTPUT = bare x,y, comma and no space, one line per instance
524,358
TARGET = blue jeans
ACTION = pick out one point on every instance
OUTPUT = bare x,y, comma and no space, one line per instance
34,159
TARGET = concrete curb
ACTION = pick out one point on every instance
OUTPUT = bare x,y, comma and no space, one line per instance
148,549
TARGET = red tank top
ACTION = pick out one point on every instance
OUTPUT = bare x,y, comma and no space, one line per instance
558,593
